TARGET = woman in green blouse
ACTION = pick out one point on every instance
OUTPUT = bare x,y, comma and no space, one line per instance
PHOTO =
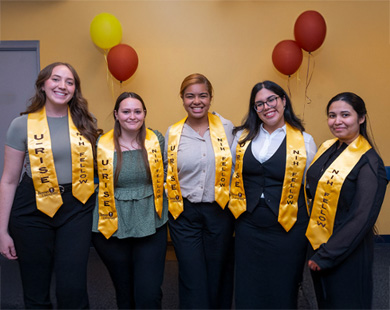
130,231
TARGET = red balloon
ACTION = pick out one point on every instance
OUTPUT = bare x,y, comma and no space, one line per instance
122,61
287,57
310,30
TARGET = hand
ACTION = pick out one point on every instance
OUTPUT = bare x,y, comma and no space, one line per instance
313,265
7,247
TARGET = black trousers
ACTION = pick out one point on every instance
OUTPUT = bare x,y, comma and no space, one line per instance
44,244
136,267
203,240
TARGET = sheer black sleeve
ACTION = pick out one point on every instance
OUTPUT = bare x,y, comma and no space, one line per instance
359,205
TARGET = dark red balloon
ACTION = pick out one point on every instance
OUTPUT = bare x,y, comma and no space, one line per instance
122,61
310,30
287,57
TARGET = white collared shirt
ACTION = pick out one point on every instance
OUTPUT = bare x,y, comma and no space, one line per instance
264,145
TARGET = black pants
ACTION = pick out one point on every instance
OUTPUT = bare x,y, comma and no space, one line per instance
136,267
43,243
203,239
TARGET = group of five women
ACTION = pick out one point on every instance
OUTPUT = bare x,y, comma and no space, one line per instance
248,205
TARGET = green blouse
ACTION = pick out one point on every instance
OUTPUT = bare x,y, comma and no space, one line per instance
134,199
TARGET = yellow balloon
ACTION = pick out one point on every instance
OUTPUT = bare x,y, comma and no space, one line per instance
106,30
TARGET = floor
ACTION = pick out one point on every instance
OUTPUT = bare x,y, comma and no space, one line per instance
101,291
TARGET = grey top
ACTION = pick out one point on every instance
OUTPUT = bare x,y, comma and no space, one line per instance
60,142
134,198
196,162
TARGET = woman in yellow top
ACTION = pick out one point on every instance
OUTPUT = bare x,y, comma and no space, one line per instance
201,227
346,187
49,213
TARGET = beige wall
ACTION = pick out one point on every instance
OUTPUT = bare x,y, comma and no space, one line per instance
231,42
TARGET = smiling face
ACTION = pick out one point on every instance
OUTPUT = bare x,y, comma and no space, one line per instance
59,87
272,118
196,101
344,122
130,114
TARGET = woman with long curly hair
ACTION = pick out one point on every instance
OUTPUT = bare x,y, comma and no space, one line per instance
46,218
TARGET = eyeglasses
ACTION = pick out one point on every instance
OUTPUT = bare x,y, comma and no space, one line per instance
271,102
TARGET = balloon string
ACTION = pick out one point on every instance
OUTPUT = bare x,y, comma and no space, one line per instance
309,76
308,80
288,86
109,78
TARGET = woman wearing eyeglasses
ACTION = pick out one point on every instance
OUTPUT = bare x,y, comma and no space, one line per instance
271,153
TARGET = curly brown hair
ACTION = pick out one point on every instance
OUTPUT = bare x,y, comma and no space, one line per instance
78,105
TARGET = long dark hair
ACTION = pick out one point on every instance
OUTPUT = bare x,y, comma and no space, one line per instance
357,103
118,132
78,105
252,121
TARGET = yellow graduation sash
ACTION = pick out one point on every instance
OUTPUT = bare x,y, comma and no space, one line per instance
237,203
108,218
295,167
326,198
223,164
293,176
47,192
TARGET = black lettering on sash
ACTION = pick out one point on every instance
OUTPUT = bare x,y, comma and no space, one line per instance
39,150
105,175
295,151
81,143
321,224
290,202
173,187
329,182
173,179
83,181
83,175
172,147
322,218
105,162
237,184
335,171
106,194
107,204
296,163
40,138
43,170
45,180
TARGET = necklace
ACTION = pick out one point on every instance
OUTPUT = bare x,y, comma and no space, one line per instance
126,147
133,145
